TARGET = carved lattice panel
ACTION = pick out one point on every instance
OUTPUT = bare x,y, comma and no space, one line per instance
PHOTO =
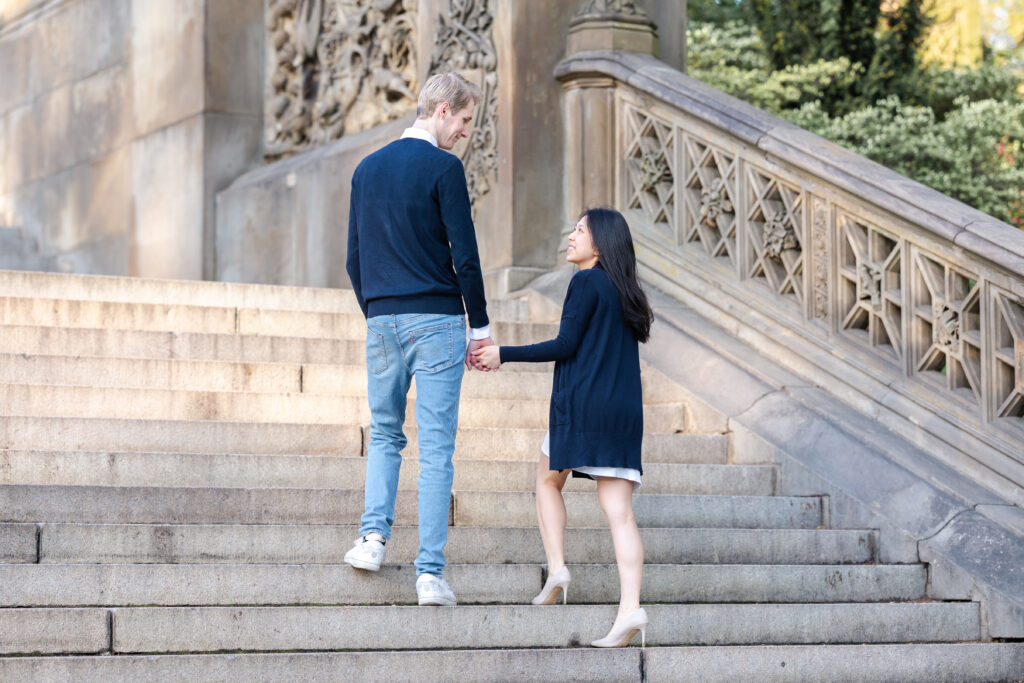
774,234
650,176
1008,356
946,326
710,199
869,286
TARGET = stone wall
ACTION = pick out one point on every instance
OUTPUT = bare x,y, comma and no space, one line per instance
119,120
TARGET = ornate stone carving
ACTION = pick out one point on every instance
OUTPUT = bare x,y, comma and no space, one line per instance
649,180
714,203
773,236
709,191
653,170
820,248
337,67
946,342
628,8
465,44
1007,349
946,326
869,286
779,235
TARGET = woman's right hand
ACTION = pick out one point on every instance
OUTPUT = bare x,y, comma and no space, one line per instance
489,357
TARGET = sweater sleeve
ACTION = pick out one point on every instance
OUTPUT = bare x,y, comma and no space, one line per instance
352,261
453,198
578,309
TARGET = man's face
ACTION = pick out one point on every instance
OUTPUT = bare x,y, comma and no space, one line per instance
454,125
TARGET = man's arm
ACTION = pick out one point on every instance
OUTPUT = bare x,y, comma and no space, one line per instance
457,217
352,262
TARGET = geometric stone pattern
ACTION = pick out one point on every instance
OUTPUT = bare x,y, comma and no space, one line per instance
866,287
945,326
710,193
1008,355
650,177
774,236
336,67
869,284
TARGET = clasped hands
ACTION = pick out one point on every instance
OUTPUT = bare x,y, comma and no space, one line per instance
482,354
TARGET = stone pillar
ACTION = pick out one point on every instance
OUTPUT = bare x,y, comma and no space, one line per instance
196,102
589,106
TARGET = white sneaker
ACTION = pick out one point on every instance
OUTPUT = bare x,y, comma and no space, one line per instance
432,590
368,552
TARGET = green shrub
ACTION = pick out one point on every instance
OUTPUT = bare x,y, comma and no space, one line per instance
973,155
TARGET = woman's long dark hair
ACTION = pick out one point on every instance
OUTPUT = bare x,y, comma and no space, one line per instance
615,253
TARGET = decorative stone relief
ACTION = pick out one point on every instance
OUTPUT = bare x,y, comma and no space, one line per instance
628,8
869,286
337,67
465,44
1008,355
946,341
709,191
650,180
820,249
774,236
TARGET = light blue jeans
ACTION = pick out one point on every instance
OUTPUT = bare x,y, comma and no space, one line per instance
432,347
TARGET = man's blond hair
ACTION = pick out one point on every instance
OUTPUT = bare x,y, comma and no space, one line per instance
447,87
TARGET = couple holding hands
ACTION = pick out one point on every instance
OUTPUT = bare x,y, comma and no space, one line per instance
413,261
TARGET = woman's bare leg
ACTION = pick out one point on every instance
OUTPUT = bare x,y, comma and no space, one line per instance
616,498
551,513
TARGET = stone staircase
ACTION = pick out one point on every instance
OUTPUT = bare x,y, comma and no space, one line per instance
181,470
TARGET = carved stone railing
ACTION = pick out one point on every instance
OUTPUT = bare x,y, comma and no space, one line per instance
899,300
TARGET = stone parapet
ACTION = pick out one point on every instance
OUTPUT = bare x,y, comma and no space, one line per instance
899,300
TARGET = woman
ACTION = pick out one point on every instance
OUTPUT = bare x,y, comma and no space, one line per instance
596,415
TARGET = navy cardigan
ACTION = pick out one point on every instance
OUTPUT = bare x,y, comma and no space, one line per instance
596,416
411,244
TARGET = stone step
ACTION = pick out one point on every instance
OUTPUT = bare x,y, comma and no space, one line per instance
514,508
674,583
19,543
180,317
319,471
54,631
181,505
142,344
214,629
212,505
160,404
182,436
203,293
87,585
327,544
889,663
220,376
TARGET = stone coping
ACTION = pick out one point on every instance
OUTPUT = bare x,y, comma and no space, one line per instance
927,210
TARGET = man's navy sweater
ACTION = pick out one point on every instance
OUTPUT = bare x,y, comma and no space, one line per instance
411,243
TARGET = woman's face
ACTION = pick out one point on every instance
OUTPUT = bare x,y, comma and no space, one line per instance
581,246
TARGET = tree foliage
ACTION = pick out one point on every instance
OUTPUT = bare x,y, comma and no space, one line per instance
958,131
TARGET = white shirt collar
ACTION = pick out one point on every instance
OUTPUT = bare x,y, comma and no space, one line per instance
420,134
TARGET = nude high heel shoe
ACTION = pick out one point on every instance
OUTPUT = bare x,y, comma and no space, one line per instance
549,594
622,632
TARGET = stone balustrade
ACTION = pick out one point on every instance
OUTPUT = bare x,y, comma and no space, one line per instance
901,301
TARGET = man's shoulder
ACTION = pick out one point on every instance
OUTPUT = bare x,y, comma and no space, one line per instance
409,150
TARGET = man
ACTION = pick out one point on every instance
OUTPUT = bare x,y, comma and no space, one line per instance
412,260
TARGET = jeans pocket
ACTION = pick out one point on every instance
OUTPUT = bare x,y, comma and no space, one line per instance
376,353
433,348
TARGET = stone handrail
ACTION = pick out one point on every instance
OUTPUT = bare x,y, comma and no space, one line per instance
903,302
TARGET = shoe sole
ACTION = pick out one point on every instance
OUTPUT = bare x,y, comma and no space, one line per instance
360,564
436,602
